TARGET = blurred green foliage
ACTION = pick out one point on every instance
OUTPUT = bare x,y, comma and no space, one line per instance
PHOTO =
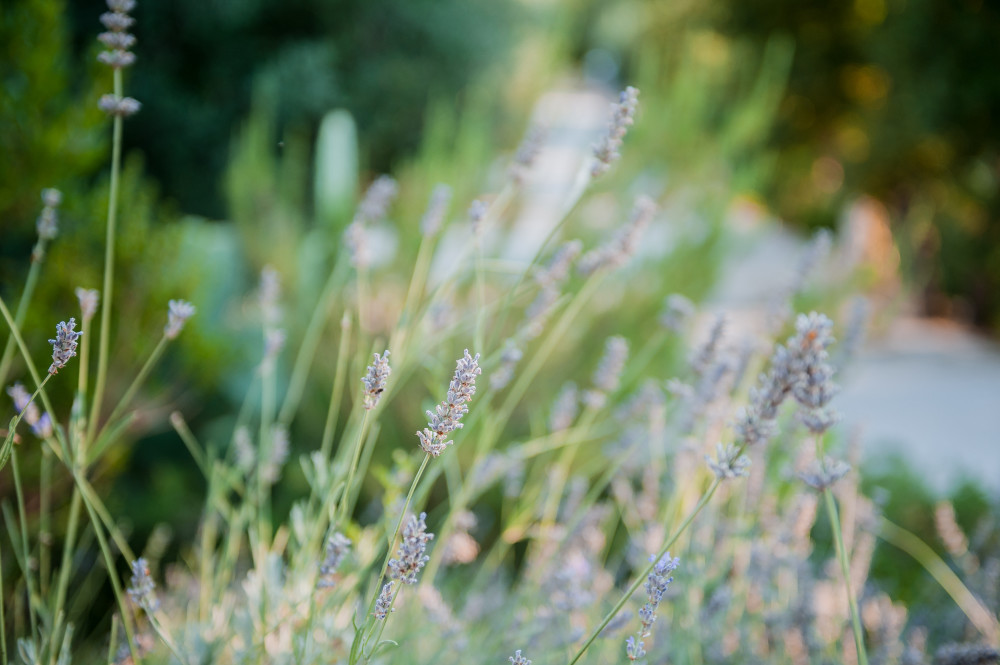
200,62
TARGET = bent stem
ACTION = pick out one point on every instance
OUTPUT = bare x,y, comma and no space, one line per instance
838,538
645,573
22,306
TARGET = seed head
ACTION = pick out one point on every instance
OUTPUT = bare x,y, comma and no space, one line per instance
178,312
375,379
64,345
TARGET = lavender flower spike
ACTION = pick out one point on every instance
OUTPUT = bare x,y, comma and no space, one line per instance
518,659
64,345
622,115
411,551
178,312
728,462
141,589
375,379
822,476
89,298
445,418
383,604
337,547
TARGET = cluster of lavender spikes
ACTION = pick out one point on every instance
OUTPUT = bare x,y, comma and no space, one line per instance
375,378
118,41
411,557
445,418
64,345
798,368
656,585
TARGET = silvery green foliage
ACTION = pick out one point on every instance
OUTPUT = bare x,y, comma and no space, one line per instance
64,345
375,379
606,152
410,558
446,416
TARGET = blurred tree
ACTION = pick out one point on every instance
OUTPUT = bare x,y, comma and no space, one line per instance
384,61
897,99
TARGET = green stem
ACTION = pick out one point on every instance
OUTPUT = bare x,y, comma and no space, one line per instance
22,307
845,567
346,500
984,621
3,621
45,522
109,265
140,378
645,573
66,566
33,597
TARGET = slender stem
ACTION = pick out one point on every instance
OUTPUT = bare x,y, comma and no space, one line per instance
113,576
140,378
3,621
45,522
645,573
25,550
845,567
310,343
981,617
66,567
109,265
22,306
336,395
346,500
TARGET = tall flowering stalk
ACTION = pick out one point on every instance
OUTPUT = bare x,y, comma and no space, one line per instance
446,416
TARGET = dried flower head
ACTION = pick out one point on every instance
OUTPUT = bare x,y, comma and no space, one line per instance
616,252
445,418
823,475
437,207
622,117
89,299
518,659
728,462
64,345
178,312
410,558
375,379
337,547
142,586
